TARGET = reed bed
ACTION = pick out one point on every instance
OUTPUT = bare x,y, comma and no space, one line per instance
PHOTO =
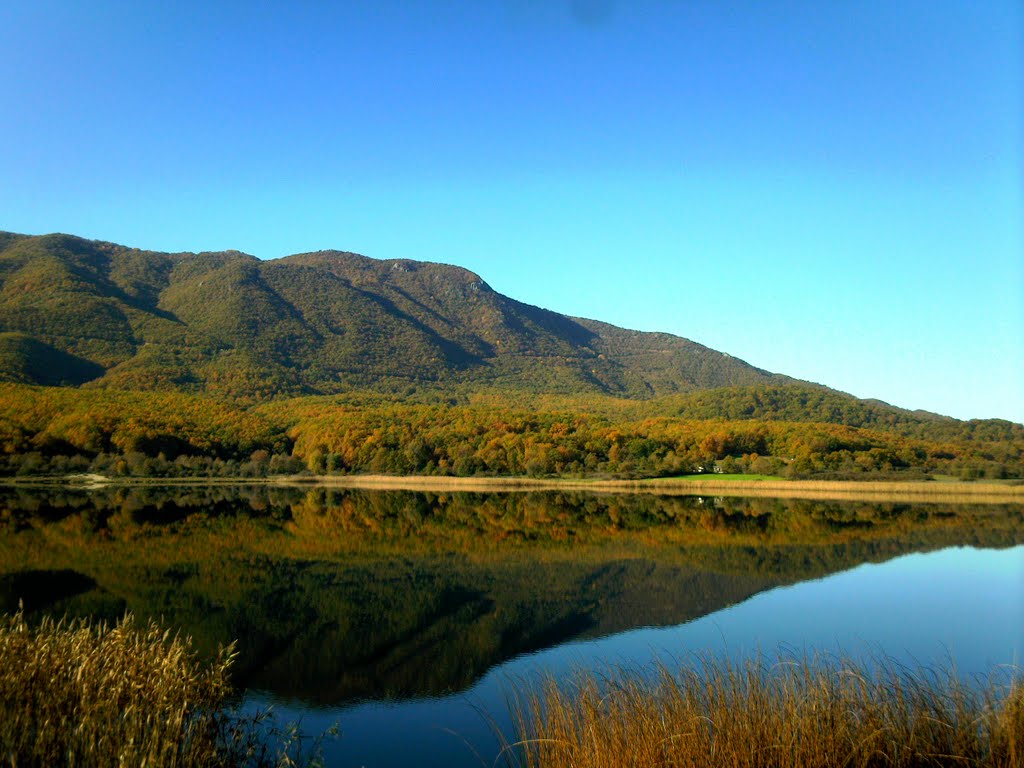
806,713
77,693
839,490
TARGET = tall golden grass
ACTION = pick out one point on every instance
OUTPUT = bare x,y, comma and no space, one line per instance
806,713
76,693
839,490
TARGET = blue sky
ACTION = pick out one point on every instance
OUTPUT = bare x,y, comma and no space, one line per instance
831,190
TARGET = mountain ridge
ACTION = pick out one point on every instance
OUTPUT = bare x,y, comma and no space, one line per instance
319,322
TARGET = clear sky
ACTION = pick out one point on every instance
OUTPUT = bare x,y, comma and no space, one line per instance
831,190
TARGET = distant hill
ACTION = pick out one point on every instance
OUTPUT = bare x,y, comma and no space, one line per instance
75,311
85,313
126,362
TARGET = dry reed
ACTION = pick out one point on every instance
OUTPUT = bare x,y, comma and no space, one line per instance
807,713
839,490
77,693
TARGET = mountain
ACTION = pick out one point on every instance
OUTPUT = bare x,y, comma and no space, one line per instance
82,312
127,362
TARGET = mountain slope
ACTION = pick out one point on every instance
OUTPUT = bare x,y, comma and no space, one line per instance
322,322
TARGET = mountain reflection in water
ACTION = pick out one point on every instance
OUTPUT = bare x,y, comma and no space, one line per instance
336,596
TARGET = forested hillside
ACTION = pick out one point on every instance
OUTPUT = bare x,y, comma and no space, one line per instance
130,362
327,322
58,430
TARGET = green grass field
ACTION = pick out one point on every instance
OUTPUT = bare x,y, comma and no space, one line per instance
723,477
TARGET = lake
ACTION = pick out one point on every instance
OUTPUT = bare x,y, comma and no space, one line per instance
409,617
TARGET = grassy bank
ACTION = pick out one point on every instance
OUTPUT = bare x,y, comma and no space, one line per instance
83,694
693,485
804,713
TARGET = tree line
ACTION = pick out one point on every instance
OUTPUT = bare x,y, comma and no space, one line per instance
49,430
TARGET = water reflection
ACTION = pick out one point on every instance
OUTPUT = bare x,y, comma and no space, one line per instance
338,596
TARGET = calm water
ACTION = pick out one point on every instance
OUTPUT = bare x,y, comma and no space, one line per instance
402,616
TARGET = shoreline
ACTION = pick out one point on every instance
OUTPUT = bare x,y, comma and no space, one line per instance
808,489
841,490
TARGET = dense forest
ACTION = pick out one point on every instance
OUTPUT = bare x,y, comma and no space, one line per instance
133,363
61,430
